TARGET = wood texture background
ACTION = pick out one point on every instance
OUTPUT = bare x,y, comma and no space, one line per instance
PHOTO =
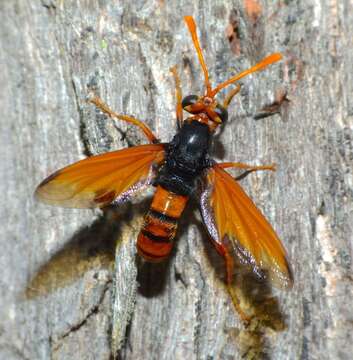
68,288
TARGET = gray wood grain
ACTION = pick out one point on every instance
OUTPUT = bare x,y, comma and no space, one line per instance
71,285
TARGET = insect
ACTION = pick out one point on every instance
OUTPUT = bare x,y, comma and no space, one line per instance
177,170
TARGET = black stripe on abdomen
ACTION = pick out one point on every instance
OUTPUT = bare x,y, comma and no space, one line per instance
163,217
155,238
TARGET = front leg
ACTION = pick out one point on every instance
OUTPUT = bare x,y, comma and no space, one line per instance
178,94
247,167
131,120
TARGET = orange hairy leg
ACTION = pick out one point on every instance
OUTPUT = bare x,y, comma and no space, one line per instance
129,119
238,229
230,96
179,97
247,167
230,269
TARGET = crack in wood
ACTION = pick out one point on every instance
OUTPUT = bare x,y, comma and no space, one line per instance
94,310
83,127
178,276
198,312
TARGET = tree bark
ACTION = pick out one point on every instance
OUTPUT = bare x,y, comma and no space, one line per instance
72,285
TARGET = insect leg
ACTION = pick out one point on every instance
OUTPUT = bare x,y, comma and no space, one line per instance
104,108
247,167
230,96
178,93
229,262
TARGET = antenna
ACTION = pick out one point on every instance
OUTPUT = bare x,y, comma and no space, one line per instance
190,22
259,66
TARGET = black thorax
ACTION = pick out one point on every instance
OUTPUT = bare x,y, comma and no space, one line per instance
186,158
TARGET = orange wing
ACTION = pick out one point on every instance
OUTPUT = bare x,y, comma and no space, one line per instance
98,180
235,224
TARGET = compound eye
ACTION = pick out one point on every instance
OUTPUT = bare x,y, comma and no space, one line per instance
189,100
221,112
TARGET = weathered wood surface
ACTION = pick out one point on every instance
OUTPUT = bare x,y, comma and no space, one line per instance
58,280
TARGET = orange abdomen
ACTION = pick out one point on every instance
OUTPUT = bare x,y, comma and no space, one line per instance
155,241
